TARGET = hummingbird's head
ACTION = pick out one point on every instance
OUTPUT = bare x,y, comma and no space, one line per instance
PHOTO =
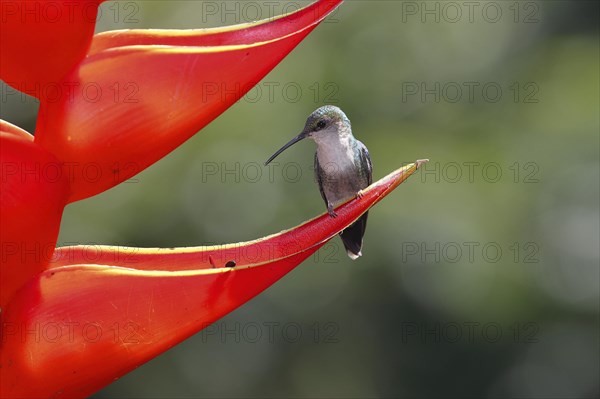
324,123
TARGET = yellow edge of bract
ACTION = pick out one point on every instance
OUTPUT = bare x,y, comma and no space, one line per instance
178,49
221,29
400,173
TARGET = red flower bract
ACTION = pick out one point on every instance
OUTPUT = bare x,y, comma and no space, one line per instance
147,92
41,40
30,206
69,325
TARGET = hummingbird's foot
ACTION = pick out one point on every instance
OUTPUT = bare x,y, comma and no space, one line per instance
330,211
359,194
420,162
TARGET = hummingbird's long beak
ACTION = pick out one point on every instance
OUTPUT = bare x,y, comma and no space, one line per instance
286,146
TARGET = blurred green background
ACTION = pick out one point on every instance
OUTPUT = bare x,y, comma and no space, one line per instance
480,274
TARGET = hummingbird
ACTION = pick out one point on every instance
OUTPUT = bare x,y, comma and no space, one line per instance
342,167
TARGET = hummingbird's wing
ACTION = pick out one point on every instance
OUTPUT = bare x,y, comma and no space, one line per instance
352,236
365,160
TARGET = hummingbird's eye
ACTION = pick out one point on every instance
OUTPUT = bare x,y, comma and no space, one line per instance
320,125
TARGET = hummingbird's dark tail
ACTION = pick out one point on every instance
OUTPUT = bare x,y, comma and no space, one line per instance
352,237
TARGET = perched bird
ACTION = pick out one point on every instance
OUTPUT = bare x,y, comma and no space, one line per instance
342,167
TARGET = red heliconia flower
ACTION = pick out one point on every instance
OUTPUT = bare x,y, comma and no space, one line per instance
75,318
